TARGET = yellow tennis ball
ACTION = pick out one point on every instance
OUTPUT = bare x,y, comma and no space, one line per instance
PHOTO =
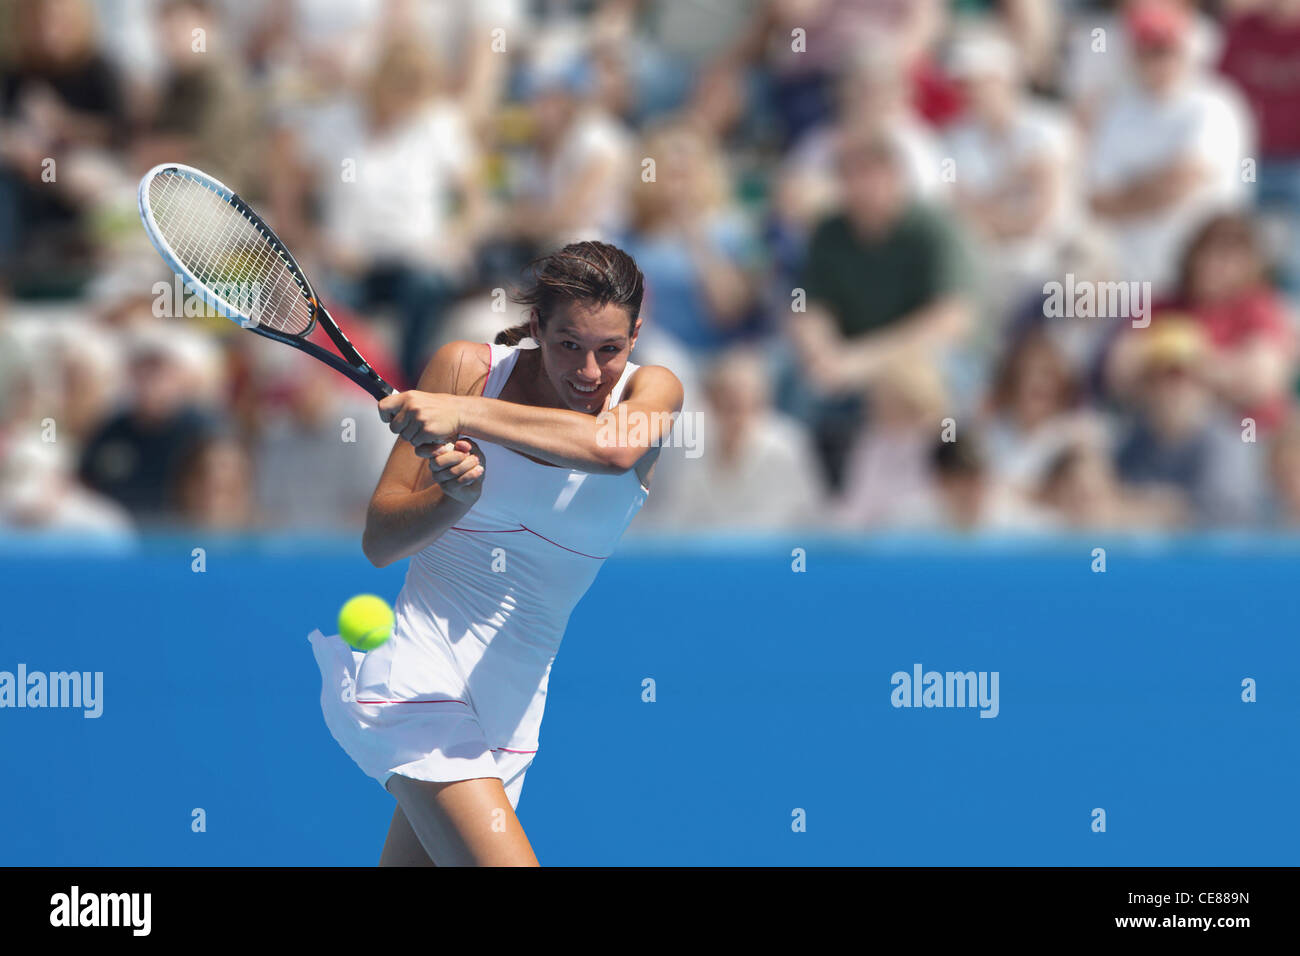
366,621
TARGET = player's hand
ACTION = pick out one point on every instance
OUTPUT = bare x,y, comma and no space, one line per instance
422,418
458,468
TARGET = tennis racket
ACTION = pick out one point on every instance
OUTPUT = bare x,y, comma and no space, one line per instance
239,267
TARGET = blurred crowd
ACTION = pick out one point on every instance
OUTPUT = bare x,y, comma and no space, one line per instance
855,219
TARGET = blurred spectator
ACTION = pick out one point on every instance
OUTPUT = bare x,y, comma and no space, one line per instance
88,376
758,470
802,45
1033,412
1084,342
205,116
1247,326
679,41
1099,51
37,491
1180,438
1262,56
1082,489
889,462
574,182
38,494
694,246
884,279
318,452
1012,158
60,97
1282,512
213,485
963,495
135,455
1224,285
400,167
1034,27
1167,150
719,108
873,94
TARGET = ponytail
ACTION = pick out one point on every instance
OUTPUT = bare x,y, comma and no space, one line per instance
515,334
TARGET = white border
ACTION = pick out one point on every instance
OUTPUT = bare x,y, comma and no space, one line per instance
164,248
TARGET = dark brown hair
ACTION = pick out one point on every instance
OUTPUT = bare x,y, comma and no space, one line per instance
1223,228
1006,378
593,273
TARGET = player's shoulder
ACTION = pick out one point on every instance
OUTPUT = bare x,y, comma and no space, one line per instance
646,379
459,367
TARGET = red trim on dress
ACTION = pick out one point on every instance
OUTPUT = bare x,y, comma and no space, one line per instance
595,557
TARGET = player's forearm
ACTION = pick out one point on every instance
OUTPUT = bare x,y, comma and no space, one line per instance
400,524
566,438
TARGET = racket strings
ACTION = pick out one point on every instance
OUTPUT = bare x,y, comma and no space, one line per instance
228,253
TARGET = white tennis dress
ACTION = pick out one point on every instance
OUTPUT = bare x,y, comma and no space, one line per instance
458,690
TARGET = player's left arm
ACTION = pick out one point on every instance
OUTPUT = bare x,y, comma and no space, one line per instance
610,443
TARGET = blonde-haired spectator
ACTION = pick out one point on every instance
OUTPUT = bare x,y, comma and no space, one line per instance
693,244
889,462
402,198
1181,438
1167,150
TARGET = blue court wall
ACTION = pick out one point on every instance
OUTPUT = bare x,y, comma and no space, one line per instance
1119,690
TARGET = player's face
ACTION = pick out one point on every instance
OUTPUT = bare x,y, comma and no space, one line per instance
584,352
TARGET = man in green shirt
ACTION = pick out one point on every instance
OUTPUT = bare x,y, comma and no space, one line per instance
885,281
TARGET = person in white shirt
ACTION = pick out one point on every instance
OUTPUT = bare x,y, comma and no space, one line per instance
399,167
758,470
1012,164
1167,151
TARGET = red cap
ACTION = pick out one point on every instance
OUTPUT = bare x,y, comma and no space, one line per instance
1157,22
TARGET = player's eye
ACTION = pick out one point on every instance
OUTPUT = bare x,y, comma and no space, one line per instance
569,345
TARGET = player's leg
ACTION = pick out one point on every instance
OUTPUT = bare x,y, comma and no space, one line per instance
402,847
463,822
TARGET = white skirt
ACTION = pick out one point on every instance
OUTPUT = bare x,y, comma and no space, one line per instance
436,737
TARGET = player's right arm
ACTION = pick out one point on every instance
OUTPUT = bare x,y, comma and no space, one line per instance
417,499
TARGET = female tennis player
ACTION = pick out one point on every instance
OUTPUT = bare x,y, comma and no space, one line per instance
509,490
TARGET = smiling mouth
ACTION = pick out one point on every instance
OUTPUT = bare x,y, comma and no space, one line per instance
584,391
